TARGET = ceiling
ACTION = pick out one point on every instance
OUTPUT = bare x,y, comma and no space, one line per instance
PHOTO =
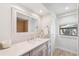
36,8
60,8
45,8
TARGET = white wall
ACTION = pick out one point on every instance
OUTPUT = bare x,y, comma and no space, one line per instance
68,19
50,21
66,42
78,31
53,31
5,22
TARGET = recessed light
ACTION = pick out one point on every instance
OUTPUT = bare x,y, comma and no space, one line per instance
67,8
41,11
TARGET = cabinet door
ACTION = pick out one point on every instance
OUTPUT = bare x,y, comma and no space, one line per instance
40,51
26,54
36,52
45,50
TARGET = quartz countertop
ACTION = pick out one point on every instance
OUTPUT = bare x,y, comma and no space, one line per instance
22,47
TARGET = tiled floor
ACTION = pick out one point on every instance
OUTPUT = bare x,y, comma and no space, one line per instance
59,52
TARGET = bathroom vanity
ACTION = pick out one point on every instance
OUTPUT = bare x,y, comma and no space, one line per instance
41,50
28,48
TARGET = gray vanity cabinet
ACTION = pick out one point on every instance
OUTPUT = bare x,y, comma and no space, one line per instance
26,54
42,50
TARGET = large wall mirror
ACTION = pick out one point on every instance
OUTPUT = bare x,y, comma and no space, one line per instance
68,30
25,23
22,25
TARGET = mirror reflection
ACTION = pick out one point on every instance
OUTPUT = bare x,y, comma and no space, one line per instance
26,23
